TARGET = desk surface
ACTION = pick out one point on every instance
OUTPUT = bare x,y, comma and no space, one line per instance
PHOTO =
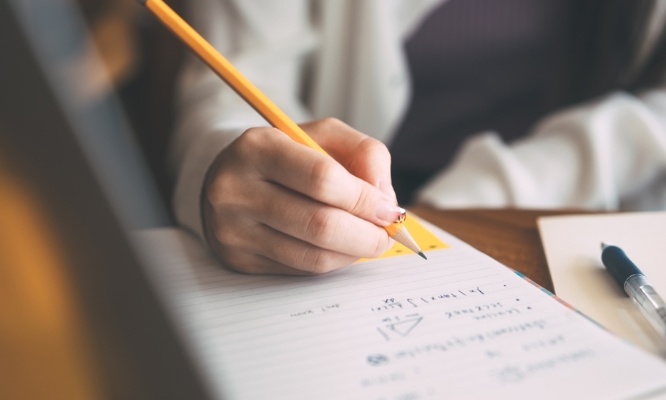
510,236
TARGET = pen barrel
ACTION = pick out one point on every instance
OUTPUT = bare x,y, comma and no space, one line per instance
618,264
648,300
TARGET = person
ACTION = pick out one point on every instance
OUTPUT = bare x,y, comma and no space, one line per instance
483,104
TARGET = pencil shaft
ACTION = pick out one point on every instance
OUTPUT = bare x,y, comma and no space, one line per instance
223,68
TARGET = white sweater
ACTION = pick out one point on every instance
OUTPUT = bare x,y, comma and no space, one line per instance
607,154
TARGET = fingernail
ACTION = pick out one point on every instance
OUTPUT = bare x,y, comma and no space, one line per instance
388,212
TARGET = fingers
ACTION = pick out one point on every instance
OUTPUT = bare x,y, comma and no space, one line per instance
360,154
259,249
320,227
324,226
321,178
272,205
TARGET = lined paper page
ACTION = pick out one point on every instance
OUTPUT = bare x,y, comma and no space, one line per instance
459,325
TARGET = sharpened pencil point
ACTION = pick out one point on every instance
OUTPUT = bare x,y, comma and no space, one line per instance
402,236
422,255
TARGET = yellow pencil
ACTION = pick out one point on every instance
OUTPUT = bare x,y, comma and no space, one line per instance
252,95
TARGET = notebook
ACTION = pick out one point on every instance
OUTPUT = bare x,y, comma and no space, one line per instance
459,325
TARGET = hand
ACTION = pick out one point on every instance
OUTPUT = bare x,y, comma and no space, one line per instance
272,205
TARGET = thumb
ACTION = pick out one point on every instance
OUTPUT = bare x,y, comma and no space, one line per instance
360,154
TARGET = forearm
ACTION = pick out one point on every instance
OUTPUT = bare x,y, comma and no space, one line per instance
593,156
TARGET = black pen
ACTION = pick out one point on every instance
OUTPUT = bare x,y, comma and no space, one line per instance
634,283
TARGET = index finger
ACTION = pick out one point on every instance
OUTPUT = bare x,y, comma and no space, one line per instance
322,178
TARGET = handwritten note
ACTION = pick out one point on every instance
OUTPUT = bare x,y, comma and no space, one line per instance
459,325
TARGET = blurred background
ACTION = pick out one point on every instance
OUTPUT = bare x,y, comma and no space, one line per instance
142,59
63,332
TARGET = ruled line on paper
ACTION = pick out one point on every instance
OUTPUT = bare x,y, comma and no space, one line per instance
396,328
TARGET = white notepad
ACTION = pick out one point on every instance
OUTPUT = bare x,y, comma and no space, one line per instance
459,325
572,247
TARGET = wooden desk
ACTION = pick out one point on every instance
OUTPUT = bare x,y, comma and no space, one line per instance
510,236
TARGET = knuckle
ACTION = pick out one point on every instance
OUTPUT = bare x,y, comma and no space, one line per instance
251,140
382,245
251,134
226,174
326,125
321,226
369,142
219,185
239,262
332,122
255,142
322,262
370,145
364,203
226,238
232,261
233,233
321,178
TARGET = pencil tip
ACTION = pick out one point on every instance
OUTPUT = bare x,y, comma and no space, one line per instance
402,236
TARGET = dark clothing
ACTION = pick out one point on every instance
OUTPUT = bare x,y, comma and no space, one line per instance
479,65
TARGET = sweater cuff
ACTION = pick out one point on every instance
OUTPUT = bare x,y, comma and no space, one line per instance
192,175
473,180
